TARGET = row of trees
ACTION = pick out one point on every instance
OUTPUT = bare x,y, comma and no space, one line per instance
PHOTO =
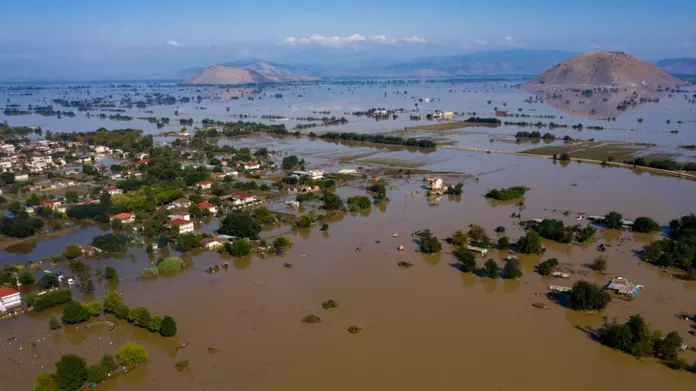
677,250
555,230
139,316
378,139
72,371
507,194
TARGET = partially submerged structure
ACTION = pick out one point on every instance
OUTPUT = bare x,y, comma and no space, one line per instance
624,287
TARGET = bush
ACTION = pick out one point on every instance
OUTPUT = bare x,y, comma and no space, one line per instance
507,194
26,278
306,221
149,272
131,354
45,381
139,316
74,312
429,243
71,372
170,265
168,328
95,373
546,268
586,296
111,301
600,263
155,323
182,365
107,361
239,247
466,258
504,243
645,225
332,201
490,269
459,238
281,242
54,323
359,202
49,281
111,243
72,251
530,243
110,274
511,270
122,311
93,307
613,220
48,299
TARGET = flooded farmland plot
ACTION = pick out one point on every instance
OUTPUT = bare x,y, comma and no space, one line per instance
404,319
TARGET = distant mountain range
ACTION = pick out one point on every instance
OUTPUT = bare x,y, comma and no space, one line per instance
678,66
515,62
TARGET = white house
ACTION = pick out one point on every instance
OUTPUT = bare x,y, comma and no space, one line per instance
239,199
180,203
434,183
212,244
112,190
21,177
180,214
313,174
203,185
184,226
251,165
9,299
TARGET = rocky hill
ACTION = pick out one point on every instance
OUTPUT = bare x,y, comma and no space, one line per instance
247,72
605,69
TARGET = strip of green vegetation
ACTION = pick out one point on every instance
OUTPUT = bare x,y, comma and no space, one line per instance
507,194
376,138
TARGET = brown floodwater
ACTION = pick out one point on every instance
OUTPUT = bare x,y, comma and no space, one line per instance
426,327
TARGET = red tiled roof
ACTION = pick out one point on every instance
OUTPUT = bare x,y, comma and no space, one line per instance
7,292
50,202
205,205
121,216
110,188
204,183
180,222
242,195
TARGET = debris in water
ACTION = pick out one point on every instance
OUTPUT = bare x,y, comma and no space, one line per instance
287,265
542,306
329,305
404,264
311,319
182,365
354,329
213,349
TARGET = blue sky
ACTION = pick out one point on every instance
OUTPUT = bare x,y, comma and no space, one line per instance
129,34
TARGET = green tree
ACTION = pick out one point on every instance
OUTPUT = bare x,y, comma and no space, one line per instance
155,323
71,197
240,224
530,243
122,311
511,270
466,258
281,242
645,225
587,296
139,316
239,247
111,301
290,162
170,265
95,373
504,243
668,347
168,327
491,269
131,354
49,281
546,268
600,263
73,312
460,238
429,243
71,372
110,274
613,220
45,381
332,201
107,361
93,307
26,278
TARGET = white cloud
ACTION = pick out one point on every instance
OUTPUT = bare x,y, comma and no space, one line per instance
508,38
174,43
349,40
481,42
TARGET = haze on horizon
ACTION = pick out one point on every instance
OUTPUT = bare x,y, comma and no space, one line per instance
86,40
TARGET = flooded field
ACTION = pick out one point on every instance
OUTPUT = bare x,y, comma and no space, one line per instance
426,327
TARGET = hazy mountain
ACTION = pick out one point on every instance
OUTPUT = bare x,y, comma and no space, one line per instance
605,69
247,72
680,66
502,62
